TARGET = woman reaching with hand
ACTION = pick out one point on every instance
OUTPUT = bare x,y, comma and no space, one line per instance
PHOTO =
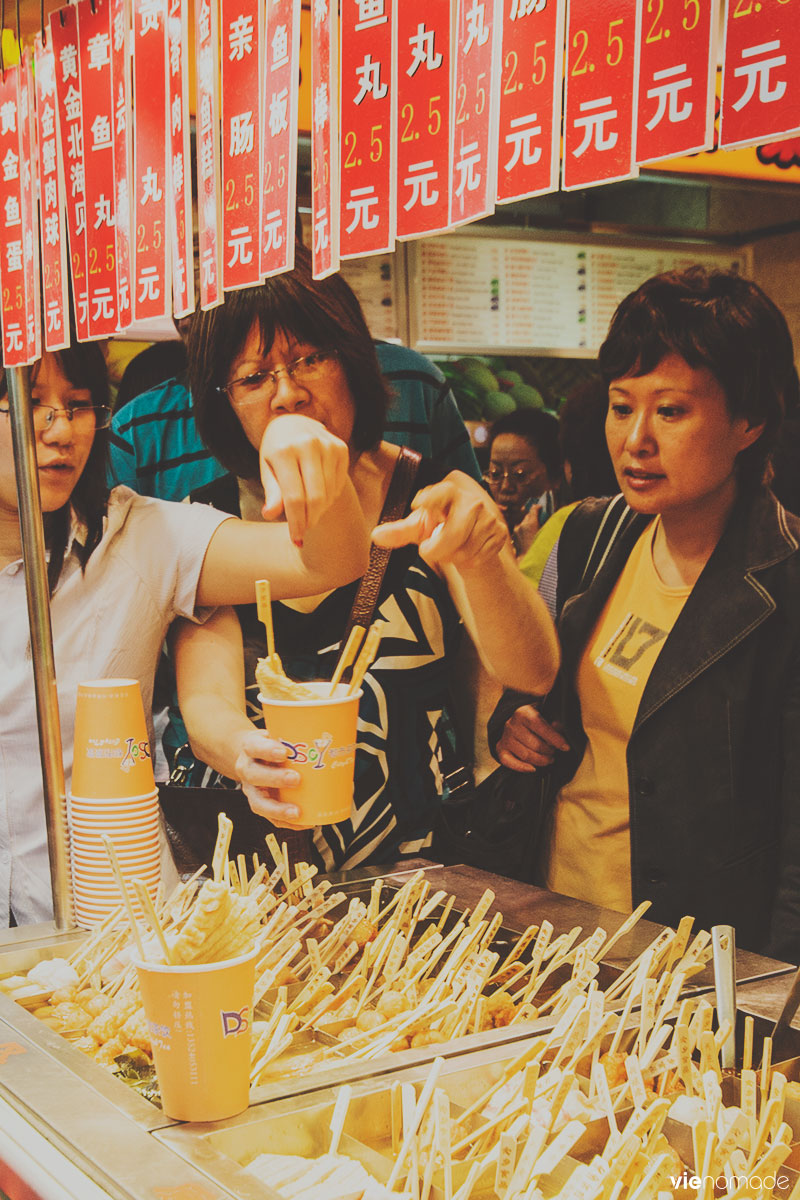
300,345
668,747
122,567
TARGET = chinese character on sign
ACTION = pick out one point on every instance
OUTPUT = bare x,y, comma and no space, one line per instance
48,121
14,338
76,179
13,216
361,201
151,190
757,72
101,133
369,78
675,80
321,234
239,244
321,107
10,166
477,31
119,30
8,117
120,111
523,131
99,51
468,160
240,38
103,304
320,11
69,62
524,8
148,282
177,115
421,175
51,229
280,47
14,255
50,194
177,173
207,268
272,229
72,104
371,12
593,126
150,11
102,212
204,22
278,112
54,311
422,49
242,134
75,142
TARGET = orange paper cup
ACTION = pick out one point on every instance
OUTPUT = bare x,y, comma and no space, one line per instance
112,747
200,1020
320,737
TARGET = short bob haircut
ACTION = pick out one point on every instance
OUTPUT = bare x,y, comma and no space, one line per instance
720,321
85,367
540,431
320,312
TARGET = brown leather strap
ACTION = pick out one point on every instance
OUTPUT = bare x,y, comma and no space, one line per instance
400,488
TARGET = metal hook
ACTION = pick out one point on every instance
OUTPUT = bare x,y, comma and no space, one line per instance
2,31
41,22
19,35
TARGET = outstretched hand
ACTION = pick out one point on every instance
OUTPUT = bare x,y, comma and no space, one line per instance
454,522
303,469
528,741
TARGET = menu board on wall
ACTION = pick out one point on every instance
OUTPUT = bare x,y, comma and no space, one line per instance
504,293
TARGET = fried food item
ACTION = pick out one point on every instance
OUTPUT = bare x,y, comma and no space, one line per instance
391,1004
368,1020
136,1032
276,686
500,1011
364,932
69,1015
427,1037
109,1051
107,1024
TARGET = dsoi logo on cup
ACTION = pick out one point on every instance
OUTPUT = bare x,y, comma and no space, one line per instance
134,750
235,1022
320,753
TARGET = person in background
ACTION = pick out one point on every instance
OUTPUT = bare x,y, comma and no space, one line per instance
297,344
122,567
587,471
669,745
524,470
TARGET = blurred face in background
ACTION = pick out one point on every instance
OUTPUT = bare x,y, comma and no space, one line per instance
515,475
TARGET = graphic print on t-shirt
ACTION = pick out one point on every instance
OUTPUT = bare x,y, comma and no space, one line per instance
630,642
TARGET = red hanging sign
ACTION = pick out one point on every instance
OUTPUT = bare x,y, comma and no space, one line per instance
53,240
64,33
206,36
367,130
761,75
122,173
12,227
473,156
183,297
94,40
529,137
33,324
324,140
423,118
601,79
677,70
242,40
279,166
150,245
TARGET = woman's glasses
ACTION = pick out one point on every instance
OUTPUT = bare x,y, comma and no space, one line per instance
96,416
261,386
496,474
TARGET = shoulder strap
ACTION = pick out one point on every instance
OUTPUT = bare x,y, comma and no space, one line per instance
614,519
397,497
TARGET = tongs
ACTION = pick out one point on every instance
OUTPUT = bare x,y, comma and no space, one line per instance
723,941
784,1021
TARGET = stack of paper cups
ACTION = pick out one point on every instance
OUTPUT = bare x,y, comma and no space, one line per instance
114,794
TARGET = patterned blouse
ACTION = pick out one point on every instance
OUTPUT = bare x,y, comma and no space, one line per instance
405,732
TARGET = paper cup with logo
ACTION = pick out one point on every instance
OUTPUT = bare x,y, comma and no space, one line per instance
112,755
200,1019
320,738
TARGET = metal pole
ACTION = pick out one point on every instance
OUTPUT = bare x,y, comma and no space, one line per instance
44,675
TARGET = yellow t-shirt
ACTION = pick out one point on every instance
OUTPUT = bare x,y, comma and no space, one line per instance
590,854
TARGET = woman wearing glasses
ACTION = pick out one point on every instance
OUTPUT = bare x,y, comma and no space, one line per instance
299,345
524,471
122,567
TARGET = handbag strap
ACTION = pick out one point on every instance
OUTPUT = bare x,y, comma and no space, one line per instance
400,487
619,509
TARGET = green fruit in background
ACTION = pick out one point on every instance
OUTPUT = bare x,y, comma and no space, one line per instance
463,364
480,378
497,404
526,396
508,379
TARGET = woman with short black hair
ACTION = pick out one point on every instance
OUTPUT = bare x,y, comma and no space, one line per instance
669,744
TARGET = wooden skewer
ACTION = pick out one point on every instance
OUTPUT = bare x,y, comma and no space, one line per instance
264,609
219,861
348,654
152,916
367,655
339,1116
126,900
747,1047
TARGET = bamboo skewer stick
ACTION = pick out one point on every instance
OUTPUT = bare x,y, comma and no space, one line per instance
150,913
367,656
264,609
348,654
126,900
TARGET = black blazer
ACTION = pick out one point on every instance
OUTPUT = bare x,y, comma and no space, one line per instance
714,755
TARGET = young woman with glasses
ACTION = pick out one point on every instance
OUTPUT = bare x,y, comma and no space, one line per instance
122,567
300,345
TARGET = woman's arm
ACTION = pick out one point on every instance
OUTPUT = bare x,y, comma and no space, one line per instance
323,543
209,668
460,533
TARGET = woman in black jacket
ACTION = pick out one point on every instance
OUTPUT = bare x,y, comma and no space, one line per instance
671,740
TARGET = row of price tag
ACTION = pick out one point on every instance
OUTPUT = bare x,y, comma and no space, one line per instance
424,117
